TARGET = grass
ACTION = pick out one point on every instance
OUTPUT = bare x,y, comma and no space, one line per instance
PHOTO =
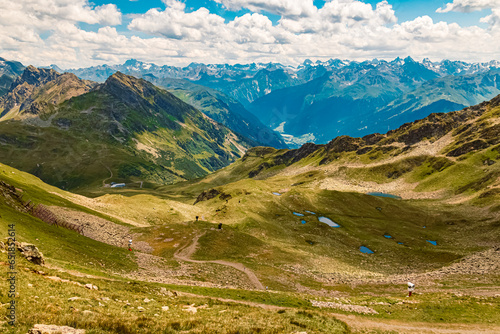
64,247
260,231
114,308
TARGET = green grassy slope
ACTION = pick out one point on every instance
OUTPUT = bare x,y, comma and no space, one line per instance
126,130
222,109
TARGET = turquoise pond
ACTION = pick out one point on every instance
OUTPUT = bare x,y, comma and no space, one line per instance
303,221
365,250
312,213
387,236
277,194
400,243
383,195
432,242
328,221
298,214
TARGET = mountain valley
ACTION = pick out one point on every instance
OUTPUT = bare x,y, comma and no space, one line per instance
231,236
75,133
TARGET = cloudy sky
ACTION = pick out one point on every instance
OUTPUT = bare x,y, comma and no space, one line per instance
81,33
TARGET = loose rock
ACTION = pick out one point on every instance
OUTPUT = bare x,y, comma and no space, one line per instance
53,329
30,252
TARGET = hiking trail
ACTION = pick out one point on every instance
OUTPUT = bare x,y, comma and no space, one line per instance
187,251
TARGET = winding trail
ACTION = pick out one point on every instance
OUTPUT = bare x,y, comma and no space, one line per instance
110,176
185,253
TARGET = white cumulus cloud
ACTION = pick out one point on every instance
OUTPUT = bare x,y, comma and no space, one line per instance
279,7
174,22
468,6
42,32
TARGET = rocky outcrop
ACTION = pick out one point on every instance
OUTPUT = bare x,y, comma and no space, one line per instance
475,145
53,329
343,144
206,195
37,90
30,252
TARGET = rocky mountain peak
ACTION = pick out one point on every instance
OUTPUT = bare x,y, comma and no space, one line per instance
37,90
126,86
36,76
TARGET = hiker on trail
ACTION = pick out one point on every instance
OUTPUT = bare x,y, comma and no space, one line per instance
196,218
220,226
130,245
411,287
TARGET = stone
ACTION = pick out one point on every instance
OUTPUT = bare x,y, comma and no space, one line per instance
140,308
190,308
165,308
91,286
30,252
53,329
146,300
168,293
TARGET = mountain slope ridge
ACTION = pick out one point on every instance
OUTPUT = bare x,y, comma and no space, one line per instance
139,131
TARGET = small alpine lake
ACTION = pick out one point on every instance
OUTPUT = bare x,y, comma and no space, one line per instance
328,221
379,194
366,250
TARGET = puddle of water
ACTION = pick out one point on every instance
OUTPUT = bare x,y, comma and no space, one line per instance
423,226
277,194
312,213
298,214
387,236
400,243
365,250
328,221
383,195
432,242
303,222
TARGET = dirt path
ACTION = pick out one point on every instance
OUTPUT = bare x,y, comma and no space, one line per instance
363,324
110,175
185,253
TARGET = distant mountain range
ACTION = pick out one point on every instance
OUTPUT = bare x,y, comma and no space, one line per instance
9,70
76,133
317,101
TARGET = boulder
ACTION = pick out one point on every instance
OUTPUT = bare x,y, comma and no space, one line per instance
30,252
53,329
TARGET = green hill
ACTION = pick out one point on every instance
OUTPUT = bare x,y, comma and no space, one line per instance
125,130
222,109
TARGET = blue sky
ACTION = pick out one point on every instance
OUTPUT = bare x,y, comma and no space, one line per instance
405,9
79,33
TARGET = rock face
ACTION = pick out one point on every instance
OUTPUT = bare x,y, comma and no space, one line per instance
37,89
53,329
30,252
